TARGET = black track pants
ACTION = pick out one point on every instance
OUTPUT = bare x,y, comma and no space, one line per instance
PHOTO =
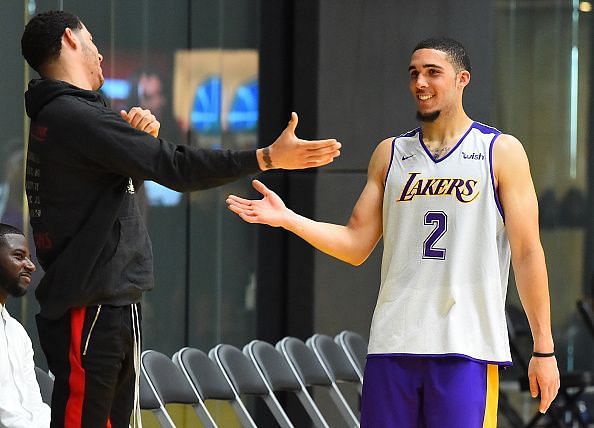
91,353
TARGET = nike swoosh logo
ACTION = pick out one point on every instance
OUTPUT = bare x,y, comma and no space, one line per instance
407,157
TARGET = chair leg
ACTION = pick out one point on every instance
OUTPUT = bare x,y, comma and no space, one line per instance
506,410
571,405
551,414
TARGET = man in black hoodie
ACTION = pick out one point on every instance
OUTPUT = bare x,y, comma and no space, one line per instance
84,163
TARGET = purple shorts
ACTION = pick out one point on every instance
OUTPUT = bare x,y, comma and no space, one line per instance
429,392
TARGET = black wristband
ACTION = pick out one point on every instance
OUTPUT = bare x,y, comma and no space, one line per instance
543,355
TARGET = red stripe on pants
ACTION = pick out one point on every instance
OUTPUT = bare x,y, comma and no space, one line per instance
76,380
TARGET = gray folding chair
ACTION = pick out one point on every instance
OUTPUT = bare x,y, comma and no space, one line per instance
355,348
161,383
334,361
243,377
46,385
209,382
278,376
310,371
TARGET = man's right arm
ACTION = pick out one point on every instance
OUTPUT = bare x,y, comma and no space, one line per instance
351,243
12,412
286,152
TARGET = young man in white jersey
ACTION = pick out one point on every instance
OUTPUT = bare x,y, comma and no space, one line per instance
450,198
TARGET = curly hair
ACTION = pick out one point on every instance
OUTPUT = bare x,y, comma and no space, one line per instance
41,42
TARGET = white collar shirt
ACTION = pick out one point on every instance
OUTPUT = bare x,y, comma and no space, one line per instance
20,399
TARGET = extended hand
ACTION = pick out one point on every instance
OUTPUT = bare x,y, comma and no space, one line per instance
269,210
143,120
543,375
291,152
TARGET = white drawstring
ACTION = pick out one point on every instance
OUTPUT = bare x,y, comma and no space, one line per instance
91,330
136,417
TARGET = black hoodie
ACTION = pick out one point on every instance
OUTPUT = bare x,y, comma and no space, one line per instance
82,165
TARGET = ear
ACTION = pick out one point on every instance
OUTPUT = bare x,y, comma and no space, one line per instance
69,38
463,78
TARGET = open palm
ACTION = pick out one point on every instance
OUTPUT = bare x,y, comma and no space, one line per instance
270,210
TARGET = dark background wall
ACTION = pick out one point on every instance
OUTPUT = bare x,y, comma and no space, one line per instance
11,67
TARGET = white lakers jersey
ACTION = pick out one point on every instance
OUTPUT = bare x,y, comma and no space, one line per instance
446,255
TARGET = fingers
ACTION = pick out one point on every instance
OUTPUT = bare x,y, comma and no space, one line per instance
326,150
293,122
318,163
142,120
320,144
153,129
325,157
260,187
549,396
245,217
245,204
533,386
543,376
544,400
242,211
322,155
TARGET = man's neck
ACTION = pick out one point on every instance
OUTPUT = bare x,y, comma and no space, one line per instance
65,74
445,129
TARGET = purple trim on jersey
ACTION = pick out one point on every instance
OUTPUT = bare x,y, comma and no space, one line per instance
410,133
486,129
423,392
405,135
477,360
391,160
450,152
495,192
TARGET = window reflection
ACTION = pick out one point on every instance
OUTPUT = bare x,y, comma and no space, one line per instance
543,62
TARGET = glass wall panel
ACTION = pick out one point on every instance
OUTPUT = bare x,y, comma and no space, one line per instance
194,64
544,51
12,145
219,100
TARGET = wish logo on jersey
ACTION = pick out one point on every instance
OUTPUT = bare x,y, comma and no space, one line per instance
465,190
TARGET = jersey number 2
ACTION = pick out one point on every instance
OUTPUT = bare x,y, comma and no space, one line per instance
439,219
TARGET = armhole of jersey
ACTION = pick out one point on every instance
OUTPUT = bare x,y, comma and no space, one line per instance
391,160
495,190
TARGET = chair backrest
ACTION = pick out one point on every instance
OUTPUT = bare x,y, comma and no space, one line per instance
271,365
279,376
148,396
303,362
46,385
355,348
339,369
203,374
333,358
310,370
166,378
245,379
209,383
239,370
161,383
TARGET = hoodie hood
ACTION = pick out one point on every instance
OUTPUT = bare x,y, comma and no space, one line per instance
43,91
